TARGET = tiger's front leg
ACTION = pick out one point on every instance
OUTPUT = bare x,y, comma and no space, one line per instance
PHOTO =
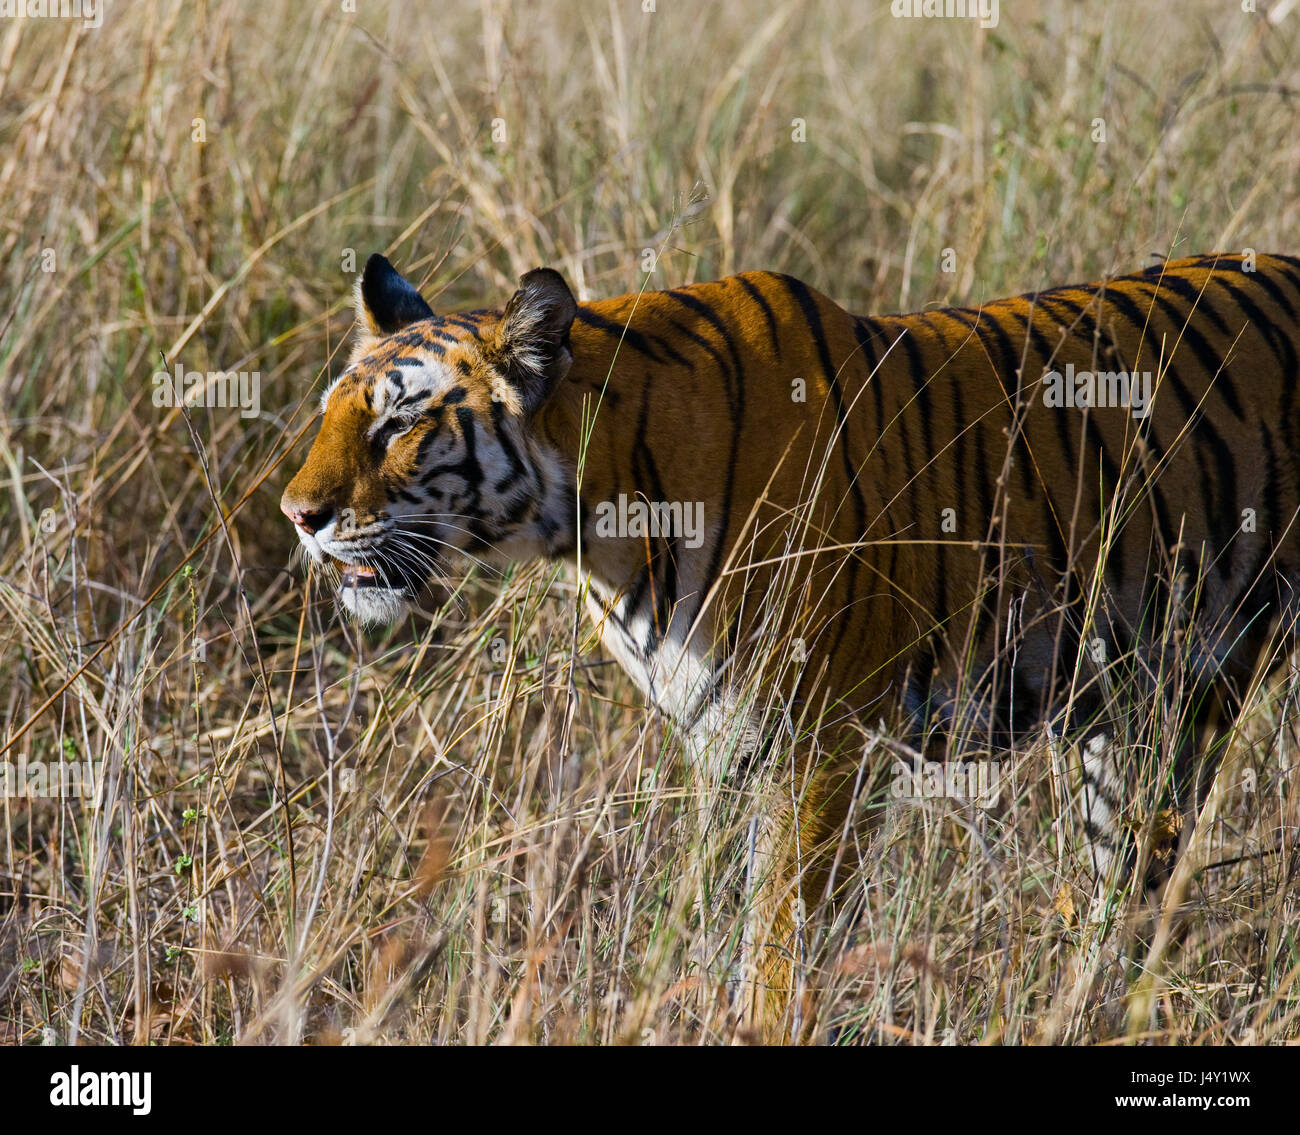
800,863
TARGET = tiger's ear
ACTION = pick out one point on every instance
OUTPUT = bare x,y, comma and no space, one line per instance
532,339
385,301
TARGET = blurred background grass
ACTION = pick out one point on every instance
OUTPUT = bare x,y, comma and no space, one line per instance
307,833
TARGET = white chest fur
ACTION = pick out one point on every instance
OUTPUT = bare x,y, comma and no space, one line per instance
678,677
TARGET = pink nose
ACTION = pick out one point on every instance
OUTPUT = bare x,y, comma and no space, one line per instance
310,522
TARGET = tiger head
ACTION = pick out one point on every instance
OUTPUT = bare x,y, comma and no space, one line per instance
426,454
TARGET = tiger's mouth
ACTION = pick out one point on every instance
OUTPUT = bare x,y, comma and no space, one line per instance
369,594
357,576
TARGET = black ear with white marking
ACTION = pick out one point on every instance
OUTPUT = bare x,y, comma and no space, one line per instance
532,339
385,301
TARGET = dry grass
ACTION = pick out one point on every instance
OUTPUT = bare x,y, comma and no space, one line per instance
458,831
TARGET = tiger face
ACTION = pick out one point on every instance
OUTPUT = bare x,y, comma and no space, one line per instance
424,453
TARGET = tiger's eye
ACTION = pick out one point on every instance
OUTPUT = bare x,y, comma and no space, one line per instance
388,431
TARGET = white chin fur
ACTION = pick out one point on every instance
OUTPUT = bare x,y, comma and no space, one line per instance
373,604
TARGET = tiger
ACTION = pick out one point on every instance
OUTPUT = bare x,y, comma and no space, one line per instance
957,520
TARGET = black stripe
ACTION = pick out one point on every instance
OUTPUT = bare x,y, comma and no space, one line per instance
1126,307
1186,290
729,480
1209,359
865,331
503,440
1120,300
1198,424
1289,270
1263,322
735,376
808,305
1283,352
1274,523
959,446
1109,487
1258,602
767,313
1265,280
633,339
461,322
1003,357
1083,325
468,466
1167,534
645,470
983,490
1060,555
923,402
1045,349
432,343
1101,789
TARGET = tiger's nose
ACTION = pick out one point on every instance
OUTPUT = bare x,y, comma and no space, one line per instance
310,521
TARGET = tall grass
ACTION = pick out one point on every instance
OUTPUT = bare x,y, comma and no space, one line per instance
308,833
